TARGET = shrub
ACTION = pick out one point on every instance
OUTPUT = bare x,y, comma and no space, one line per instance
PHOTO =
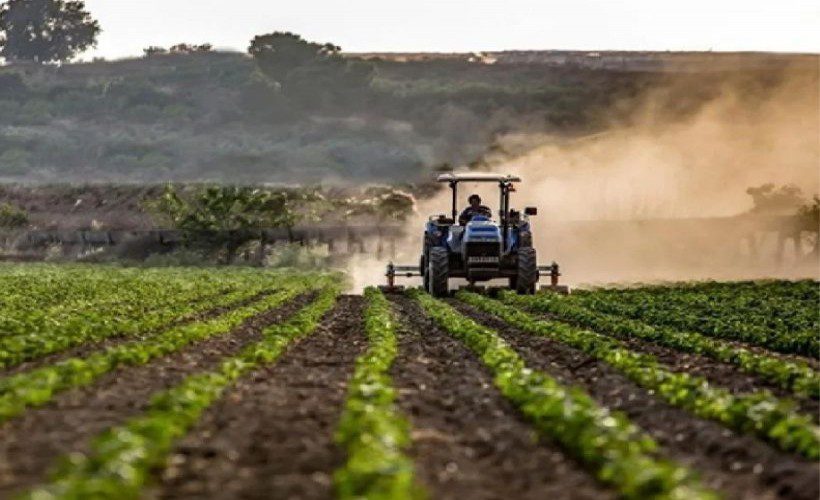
12,217
297,257
154,50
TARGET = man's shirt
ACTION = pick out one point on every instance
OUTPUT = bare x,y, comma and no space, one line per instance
470,212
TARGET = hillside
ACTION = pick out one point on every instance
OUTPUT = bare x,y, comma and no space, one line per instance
203,117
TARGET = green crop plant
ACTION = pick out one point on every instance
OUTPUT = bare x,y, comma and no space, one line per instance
780,316
759,413
606,442
795,376
371,429
121,459
37,387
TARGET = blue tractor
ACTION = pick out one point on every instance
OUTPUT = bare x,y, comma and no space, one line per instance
479,249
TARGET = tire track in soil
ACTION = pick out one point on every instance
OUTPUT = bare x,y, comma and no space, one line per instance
88,348
740,466
720,374
468,440
30,443
271,435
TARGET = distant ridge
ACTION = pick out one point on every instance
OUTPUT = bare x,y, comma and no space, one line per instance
670,61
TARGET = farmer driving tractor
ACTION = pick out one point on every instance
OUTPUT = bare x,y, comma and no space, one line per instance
475,208
479,248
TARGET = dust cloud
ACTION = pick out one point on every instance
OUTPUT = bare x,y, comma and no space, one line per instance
660,165
652,197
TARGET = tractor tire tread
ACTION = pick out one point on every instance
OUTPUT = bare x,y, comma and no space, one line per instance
438,270
527,277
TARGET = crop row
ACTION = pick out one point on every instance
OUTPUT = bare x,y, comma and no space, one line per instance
36,387
606,442
47,332
795,376
750,291
371,430
53,293
770,306
786,328
103,292
121,459
48,287
758,413
31,316
107,290
777,305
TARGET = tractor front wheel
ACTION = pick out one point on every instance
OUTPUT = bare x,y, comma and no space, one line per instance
437,272
527,277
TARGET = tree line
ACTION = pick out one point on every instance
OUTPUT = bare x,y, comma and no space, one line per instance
292,70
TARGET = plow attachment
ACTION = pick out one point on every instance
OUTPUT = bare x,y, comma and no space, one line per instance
393,271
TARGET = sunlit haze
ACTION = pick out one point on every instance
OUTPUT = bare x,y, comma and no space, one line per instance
464,26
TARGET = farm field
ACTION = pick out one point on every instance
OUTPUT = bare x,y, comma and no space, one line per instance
259,383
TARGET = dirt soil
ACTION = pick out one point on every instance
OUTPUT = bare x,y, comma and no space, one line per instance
468,441
739,466
31,443
271,436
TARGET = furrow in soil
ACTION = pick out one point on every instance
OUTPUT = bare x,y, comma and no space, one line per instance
30,443
740,466
468,440
271,435
716,372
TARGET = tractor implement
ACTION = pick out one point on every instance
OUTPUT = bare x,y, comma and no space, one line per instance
393,272
479,249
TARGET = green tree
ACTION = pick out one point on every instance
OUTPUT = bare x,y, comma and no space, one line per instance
311,74
280,53
229,215
45,31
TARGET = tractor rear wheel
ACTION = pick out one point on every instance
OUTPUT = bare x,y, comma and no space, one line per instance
438,270
524,283
424,273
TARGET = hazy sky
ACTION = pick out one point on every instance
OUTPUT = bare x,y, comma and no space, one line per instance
465,25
